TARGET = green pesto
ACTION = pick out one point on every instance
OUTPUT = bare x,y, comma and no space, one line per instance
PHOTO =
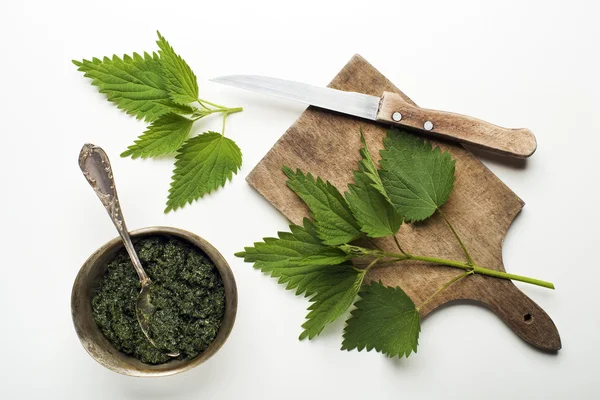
187,292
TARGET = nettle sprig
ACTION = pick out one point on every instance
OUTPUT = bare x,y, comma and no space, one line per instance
162,89
414,182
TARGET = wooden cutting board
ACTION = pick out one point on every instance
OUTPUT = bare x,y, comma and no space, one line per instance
481,208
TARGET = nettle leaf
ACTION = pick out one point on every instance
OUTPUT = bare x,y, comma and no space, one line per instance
417,178
301,261
334,220
204,163
368,200
286,256
134,84
335,289
163,136
369,168
179,77
385,319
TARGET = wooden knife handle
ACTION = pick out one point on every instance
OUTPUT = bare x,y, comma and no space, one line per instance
393,109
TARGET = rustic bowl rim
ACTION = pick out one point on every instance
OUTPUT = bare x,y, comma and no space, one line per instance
98,346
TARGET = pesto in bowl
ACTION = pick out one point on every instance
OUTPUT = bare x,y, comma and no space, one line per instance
187,291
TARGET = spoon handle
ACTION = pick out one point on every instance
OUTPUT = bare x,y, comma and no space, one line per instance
95,165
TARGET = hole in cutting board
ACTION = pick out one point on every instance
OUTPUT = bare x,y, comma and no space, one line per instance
528,318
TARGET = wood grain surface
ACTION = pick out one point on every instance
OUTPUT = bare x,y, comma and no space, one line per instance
481,208
519,143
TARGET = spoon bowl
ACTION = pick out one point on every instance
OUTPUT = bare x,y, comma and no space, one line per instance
144,310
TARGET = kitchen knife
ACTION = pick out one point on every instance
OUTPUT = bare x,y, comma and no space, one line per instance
392,109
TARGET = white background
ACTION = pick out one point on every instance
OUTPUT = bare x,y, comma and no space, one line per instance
514,63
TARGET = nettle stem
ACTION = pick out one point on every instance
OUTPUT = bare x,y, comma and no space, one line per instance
224,111
217,108
202,102
232,110
462,245
475,269
470,266
445,286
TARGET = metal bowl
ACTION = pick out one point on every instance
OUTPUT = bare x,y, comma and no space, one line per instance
98,346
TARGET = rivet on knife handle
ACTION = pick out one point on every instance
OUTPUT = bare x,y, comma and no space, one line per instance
516,142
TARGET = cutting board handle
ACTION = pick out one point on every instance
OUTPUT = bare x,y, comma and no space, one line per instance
395,110
521,314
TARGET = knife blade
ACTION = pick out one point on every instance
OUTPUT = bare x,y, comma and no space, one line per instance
392,109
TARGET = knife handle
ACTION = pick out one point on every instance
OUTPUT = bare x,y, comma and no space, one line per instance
393,109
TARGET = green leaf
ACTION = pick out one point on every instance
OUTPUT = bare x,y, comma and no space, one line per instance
299,260
368,201
134,84
286,256
369,168
417,178
385,319
179,77
335,289
204,163
163,136
335,223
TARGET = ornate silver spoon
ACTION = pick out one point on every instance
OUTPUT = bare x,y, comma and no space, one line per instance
95,165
